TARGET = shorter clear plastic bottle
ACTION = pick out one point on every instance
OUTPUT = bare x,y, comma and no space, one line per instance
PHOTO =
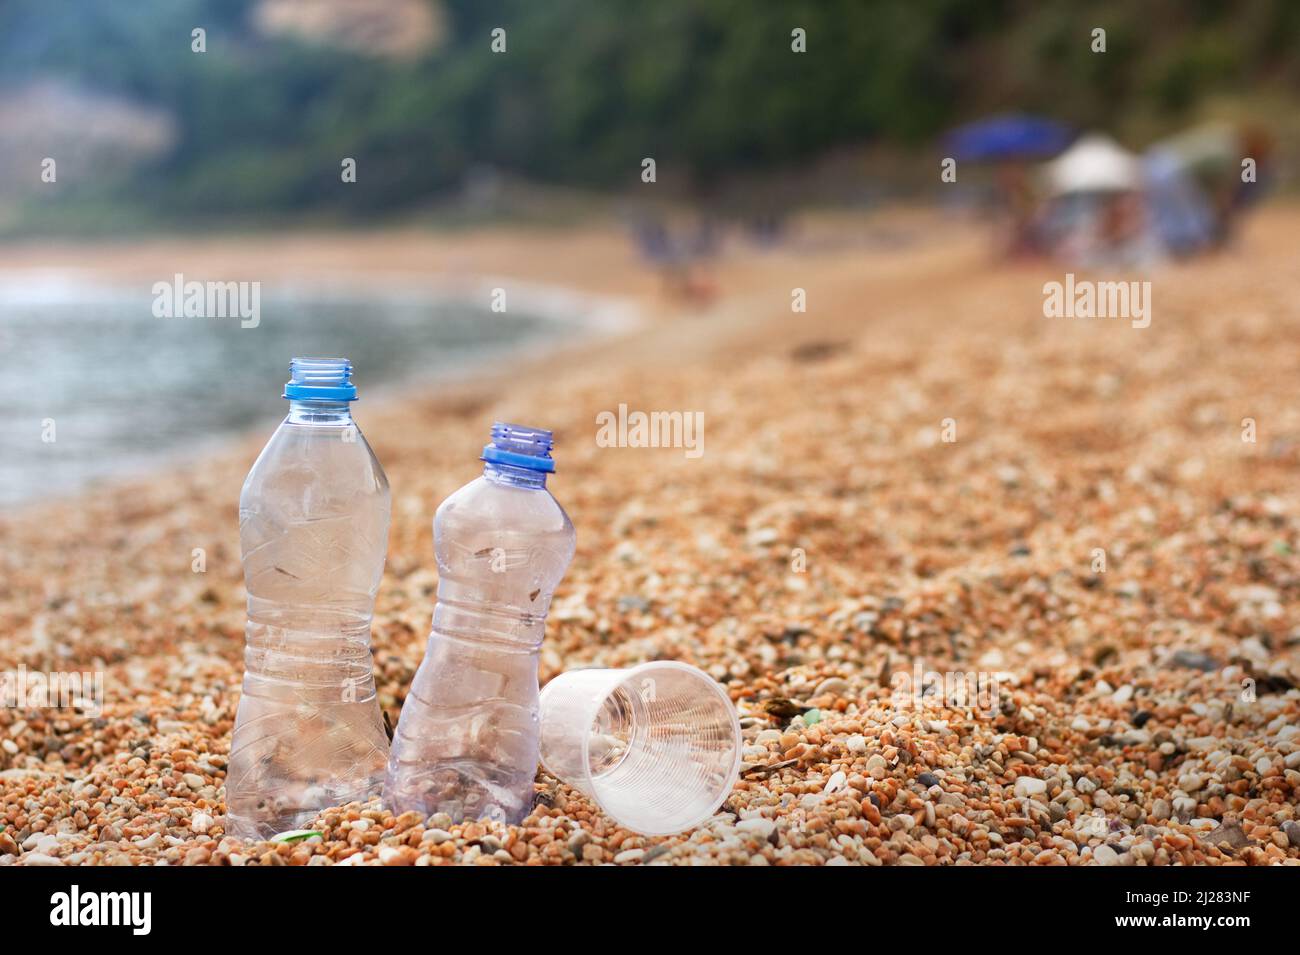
467,740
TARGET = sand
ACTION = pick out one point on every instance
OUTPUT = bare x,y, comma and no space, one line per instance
1098,545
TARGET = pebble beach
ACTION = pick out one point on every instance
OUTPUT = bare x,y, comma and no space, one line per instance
919,474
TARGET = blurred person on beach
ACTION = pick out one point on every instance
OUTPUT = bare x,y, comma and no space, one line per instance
1095,213
681,258
1020,207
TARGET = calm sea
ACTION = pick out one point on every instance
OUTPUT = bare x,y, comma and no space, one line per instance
94,385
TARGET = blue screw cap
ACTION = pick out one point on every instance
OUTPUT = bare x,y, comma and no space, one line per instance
320,379
517,446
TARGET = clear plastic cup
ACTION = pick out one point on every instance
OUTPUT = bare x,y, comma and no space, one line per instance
656,746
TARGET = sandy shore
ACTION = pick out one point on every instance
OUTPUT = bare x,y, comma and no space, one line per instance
827,543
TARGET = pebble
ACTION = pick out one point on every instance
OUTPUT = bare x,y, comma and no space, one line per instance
835,686
761,828
629,855
1028,786
1292,831
578,841
835,783
1092,827
1105,855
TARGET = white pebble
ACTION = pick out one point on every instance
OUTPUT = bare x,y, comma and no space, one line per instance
1105,855
762,828
1027,786
1091,827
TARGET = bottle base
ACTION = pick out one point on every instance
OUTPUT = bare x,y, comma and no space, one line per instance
465,793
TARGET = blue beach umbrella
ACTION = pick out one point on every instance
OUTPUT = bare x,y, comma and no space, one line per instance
1009,137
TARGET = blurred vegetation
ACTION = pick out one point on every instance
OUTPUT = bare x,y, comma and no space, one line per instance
710,88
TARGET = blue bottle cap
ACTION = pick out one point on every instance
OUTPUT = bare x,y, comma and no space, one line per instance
519,447
320,379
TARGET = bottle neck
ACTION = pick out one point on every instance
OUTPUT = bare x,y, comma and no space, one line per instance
319,412
499,473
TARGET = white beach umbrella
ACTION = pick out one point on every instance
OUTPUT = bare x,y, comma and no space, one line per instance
1096,163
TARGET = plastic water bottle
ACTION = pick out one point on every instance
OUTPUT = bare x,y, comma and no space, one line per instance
313,530
467,740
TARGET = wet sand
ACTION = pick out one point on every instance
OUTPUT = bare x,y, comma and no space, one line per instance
828,541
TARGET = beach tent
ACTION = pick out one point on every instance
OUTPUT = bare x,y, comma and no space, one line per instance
1188,177
1014,136
1205,152
1094,164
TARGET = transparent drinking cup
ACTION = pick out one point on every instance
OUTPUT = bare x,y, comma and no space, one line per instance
656,746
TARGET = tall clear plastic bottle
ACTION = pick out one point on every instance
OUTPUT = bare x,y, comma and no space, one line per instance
313,530
466,742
